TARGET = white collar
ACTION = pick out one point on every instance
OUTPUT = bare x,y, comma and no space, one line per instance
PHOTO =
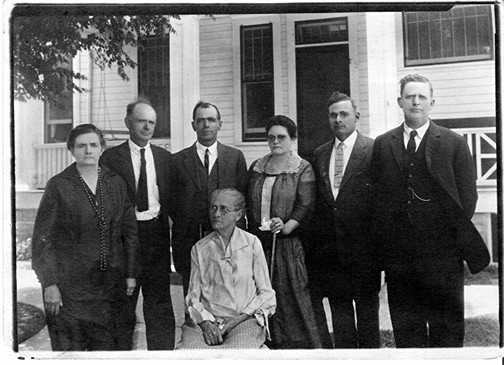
211,149
349,141
136,148
421,130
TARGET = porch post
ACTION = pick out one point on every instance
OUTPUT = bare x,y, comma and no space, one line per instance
185,79
382,72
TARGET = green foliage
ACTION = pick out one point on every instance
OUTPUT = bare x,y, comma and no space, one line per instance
43,46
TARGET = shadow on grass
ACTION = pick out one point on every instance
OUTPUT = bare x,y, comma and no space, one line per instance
481,331
30,320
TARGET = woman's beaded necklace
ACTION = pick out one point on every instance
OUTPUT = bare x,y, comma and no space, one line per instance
98,207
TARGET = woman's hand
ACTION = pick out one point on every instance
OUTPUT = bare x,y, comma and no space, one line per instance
130,286
211,333
278,226
231,323
52,300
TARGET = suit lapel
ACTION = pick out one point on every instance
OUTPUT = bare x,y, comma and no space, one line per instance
325,160
158,165
397,145
191,161
356,157
127,165
432,144
222,155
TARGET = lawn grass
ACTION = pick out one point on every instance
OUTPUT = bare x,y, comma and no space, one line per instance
481,331
488,276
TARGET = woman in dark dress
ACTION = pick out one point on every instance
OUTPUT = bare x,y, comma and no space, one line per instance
281,197
85,248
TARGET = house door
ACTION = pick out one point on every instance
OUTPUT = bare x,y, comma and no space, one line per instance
320,70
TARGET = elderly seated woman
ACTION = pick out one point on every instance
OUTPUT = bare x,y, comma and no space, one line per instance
230,296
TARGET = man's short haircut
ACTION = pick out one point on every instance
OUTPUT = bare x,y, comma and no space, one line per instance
204,104
282,121
239,199
84,129
415,78
336,97
131,106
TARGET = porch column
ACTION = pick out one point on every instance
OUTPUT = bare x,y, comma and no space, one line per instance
382,72
185,79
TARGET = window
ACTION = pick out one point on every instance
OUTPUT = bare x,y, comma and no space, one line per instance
464,33
322,31
154,80
257,95
58,114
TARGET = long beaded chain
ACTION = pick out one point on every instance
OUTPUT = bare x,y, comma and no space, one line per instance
101,216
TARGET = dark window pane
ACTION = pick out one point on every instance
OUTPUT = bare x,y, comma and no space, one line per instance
423,36
323,31
413,42
471,36
154,80
459,32
423,16
436,39
258,108
484,35
446,29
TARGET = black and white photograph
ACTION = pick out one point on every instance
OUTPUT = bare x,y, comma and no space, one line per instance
252,180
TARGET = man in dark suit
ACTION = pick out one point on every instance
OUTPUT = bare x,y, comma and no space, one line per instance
426,194
146,170
198,170
342,261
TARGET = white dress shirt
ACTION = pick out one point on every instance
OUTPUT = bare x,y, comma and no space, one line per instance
152,188
212,154
418,138
347,151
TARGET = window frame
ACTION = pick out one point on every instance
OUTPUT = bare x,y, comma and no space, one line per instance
48,122
254,134
166,71
446,60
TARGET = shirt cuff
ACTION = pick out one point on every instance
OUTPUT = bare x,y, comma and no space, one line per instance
199,314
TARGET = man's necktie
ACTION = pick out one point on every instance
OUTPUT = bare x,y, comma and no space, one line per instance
207,161
338,165
411,148
142,197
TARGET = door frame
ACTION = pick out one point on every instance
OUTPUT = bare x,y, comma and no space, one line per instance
291,55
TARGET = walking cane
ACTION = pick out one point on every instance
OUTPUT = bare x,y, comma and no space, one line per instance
272,263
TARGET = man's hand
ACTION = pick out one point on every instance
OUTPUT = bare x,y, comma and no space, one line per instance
211,333
52,299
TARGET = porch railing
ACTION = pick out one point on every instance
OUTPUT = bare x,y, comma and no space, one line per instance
482,143
53,158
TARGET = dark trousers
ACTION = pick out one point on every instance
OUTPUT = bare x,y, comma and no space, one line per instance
427,308
352,327
425,281
68,333
155,285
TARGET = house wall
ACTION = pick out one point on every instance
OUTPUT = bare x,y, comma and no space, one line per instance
461,90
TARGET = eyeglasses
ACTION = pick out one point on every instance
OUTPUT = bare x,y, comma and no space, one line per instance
281,138
222,210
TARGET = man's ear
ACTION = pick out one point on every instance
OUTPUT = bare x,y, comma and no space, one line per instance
357,115
399,101
127,123
193,126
